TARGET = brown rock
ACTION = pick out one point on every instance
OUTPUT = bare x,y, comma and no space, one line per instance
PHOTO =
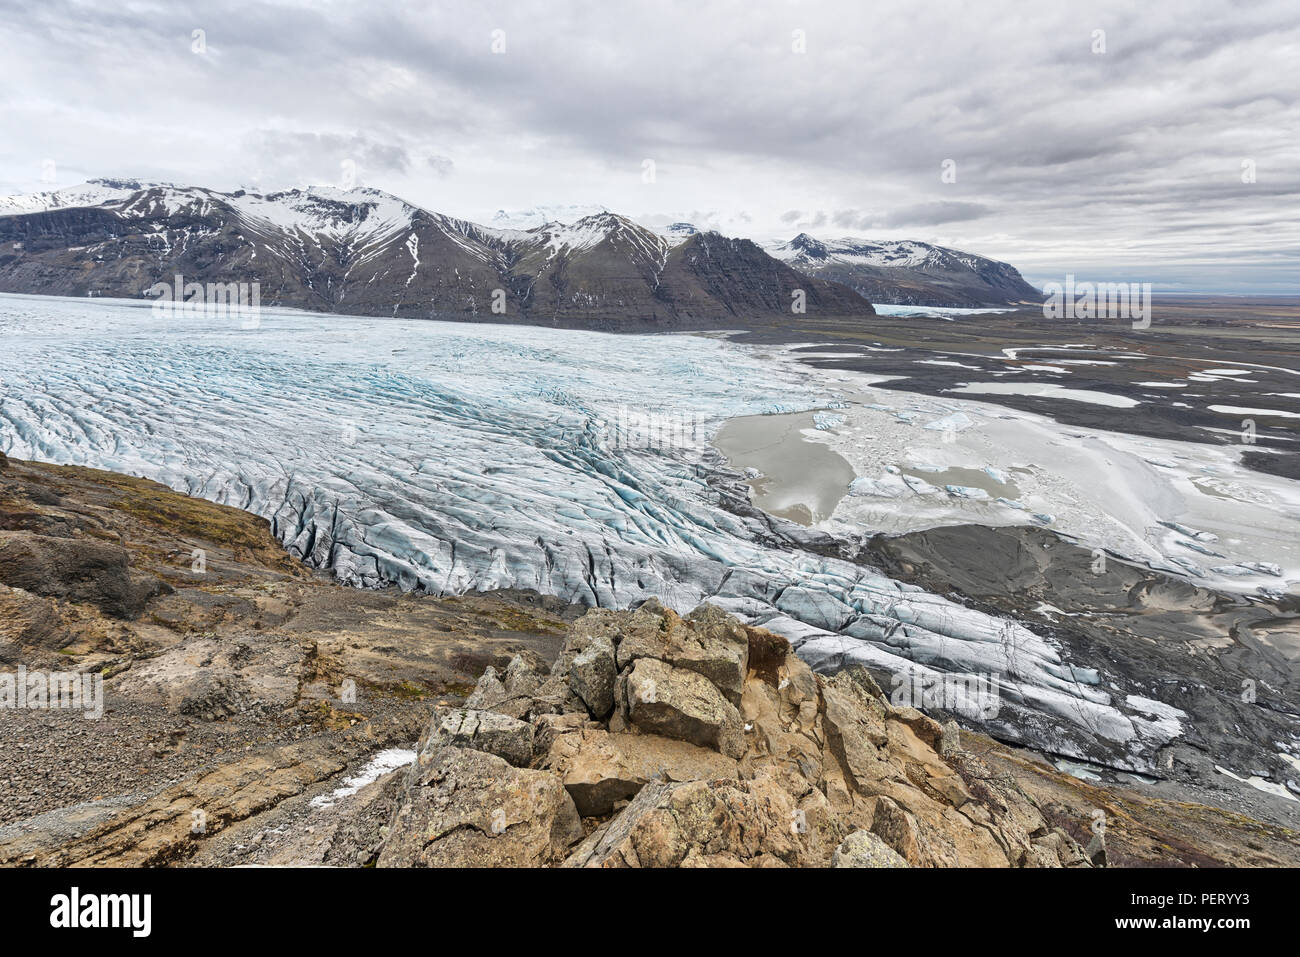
592,675
602,769
467,808
709,642
899,830
681,704
701,823
508,738
865,849
77,569
855,733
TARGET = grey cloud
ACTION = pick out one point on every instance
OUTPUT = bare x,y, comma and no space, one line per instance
1141,142
323,157
936,213
441,165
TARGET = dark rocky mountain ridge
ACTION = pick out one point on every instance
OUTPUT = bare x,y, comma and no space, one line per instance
364,252
908,272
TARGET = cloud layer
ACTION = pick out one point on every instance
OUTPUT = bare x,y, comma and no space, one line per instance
1104,139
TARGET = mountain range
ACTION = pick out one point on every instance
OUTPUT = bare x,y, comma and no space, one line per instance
907,272
365,252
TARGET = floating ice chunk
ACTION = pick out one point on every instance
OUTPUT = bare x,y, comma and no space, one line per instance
966,491
889,487
920,486
956,422
1197,547
1234,571
1191,532
825,421
997,474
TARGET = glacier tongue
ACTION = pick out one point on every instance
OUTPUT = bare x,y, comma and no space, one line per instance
450,457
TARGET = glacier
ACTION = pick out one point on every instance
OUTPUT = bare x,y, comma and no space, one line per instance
449,457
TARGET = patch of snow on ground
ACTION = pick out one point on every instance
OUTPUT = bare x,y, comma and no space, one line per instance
375,768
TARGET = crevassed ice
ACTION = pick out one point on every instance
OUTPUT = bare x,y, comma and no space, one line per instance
450,457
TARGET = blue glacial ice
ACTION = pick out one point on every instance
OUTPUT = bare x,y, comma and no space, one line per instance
449,457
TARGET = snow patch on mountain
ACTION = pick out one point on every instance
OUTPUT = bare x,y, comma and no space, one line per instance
905,253
97,192
524,220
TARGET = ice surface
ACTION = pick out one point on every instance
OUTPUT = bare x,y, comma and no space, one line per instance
449,457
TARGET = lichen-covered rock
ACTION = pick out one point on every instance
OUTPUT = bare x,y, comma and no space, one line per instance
464,808
508,738
709,642
709,823
513,693
898,829
681,704
602,769
592,675
489,692
865,849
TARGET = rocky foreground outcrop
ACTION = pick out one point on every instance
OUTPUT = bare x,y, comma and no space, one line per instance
661,741
255,712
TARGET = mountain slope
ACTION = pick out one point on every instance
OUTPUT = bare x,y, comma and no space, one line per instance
364,252
907,272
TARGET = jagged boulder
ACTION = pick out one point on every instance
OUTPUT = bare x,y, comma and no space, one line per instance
709,642
508,738
701,824
601,769
464,808
675,703
592,675
865,849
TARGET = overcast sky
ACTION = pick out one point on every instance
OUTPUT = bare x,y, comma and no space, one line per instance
1125,164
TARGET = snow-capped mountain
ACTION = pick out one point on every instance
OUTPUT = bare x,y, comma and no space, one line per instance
541,215
93,193
907,272
678,232
365,252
